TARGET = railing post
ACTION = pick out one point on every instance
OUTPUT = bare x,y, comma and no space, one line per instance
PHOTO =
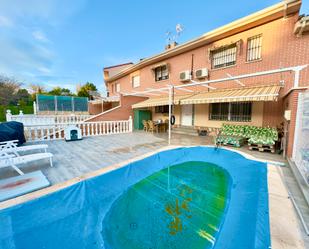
130,124
8,115
21,113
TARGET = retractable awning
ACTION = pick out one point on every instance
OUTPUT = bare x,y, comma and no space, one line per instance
260,93
159,101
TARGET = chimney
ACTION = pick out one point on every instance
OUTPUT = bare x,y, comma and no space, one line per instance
171,45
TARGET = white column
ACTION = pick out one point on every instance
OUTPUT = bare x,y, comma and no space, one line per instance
8,115
296,78
130,124
34,108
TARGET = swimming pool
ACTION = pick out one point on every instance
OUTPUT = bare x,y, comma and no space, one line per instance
195,197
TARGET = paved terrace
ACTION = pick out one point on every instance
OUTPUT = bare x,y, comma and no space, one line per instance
73,159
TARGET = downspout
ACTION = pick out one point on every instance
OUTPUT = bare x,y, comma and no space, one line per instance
286,5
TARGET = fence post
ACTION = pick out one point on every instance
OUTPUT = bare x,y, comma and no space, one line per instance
56,104
8,115
21,113
130,124
72,103
34,108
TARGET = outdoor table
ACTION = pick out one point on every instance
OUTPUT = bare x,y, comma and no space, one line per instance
161,126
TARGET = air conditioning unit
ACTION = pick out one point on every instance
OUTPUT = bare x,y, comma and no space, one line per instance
201,73
185,75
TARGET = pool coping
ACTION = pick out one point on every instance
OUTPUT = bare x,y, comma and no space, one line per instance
279,203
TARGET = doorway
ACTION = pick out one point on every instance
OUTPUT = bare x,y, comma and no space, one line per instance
187,115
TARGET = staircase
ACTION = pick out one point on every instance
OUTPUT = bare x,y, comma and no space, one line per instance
185,130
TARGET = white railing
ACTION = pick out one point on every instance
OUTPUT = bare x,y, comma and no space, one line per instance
57,131
32,119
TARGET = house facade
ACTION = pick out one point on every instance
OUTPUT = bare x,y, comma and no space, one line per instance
271,39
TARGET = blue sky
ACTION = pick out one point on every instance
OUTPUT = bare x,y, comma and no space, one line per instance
66,42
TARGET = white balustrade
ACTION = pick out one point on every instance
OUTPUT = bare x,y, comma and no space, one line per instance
56,131
32,119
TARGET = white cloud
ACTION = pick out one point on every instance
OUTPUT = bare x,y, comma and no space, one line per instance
5,22
26,51
40,36
44,70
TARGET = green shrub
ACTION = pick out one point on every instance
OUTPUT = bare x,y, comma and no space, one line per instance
27,109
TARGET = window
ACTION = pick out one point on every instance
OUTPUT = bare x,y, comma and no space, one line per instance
117,87
135,81
236,111
254,48
219,111
223,57
161,73
161,109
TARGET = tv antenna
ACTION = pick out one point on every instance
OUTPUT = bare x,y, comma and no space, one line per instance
169,36
173,37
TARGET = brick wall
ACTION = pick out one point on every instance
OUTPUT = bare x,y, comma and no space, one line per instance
280,48
95,109
122,112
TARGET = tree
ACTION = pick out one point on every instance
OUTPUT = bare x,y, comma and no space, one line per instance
36,89
84,90
58,91
22,97
8,89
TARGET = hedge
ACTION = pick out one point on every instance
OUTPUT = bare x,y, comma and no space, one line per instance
14,110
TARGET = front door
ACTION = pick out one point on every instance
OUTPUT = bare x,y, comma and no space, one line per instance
186,115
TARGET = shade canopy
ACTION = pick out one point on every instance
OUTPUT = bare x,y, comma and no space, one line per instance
260,93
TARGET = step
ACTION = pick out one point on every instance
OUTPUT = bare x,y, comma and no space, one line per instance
185,131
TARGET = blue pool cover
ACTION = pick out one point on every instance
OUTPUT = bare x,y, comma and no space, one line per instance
216,197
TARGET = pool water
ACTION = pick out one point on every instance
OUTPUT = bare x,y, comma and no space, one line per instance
182,206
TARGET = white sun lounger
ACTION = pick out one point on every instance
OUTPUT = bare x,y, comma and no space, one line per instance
11,147
9,160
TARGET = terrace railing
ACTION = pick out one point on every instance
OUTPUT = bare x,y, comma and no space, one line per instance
57,131
33,119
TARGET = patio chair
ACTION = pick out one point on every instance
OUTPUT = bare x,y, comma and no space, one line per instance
11,147
152,126
10,160
145,124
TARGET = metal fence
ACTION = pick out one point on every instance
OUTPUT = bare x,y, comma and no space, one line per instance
301,145
50,103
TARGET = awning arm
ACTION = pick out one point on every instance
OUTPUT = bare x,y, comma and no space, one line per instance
237,81
243,76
